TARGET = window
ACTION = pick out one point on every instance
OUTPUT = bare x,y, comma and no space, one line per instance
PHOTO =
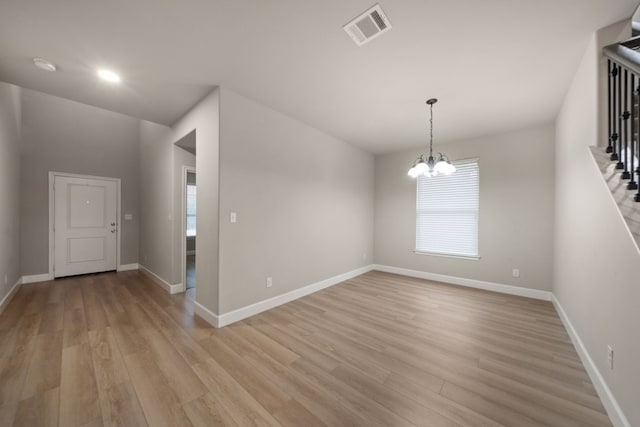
447,212
191,210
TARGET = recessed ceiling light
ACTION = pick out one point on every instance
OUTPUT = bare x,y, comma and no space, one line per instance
109,76
43,64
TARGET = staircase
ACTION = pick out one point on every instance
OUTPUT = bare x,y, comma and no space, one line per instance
619,161
623,197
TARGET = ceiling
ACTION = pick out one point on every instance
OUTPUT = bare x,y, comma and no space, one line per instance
495,65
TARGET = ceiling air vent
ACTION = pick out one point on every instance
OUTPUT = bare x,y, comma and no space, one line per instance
368,26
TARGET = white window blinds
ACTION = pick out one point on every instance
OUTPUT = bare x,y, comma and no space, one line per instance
447,211
191,210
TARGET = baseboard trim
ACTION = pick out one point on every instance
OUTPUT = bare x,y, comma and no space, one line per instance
172,289
7,299
610,403
209,316
35,278
470,283
253,309
128,267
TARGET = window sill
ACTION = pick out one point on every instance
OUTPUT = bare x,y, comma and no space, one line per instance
467,257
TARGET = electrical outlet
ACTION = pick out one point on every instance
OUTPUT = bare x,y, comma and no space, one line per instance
515,272
5,279
610,356
233,217
269,282
364,256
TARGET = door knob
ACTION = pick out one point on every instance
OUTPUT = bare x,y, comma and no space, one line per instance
113,231
113,224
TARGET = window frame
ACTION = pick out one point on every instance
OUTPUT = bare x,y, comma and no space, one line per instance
477,213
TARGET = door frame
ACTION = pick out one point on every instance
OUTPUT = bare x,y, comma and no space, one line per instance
52,178
183,222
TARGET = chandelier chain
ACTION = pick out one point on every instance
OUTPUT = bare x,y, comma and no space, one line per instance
431,129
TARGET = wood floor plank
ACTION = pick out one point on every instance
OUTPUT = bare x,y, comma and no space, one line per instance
95,315
75,327
207,411
120,406
411,389
39,410
406,408
374,412
262,390
377,350
15,363
79,399
44,366
293,414
161,404
118,401
316,399
243,407
8,413
178,373
52,318
107,360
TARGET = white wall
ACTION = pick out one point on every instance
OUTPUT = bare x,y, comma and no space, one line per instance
304,203
9,187
516,210
596,266
66,136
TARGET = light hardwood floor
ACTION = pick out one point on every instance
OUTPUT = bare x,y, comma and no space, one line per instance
377,350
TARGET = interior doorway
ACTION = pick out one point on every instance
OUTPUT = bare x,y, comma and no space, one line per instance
189,199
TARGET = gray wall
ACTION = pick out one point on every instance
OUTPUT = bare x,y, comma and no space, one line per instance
66,136
304,203
156,199
161,202
205,119
597,267
516,210
9,187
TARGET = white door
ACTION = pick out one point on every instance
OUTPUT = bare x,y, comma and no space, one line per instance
85,225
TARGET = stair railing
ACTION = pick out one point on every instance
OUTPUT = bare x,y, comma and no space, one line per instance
623,86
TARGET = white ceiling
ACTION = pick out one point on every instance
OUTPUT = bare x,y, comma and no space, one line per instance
495,65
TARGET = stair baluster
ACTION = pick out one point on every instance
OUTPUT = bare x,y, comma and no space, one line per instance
632,185
610,77
614,113
624,157
619,165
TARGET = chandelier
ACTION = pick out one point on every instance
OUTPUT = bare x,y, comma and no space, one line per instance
428,166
